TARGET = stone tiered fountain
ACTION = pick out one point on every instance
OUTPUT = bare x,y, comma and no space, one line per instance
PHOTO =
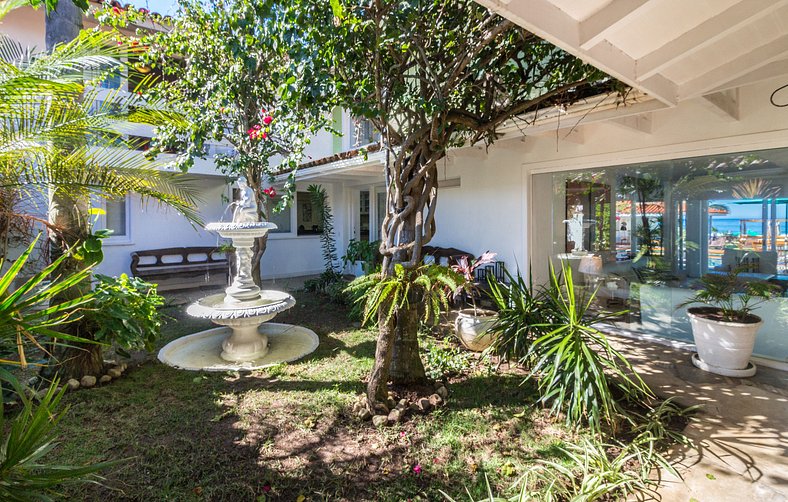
245,340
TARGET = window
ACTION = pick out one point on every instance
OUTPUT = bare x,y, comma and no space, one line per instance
363,133
281,219
116,217
307,218
642,234
363,215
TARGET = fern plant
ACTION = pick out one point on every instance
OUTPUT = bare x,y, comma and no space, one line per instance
430,284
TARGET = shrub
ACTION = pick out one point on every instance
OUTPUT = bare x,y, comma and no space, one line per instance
520,319
579,372
441,362
125,313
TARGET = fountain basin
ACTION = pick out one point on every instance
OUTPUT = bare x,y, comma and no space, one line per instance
241,230
200,351
246,342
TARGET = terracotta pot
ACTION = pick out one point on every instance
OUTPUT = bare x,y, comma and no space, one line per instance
725,347
473,328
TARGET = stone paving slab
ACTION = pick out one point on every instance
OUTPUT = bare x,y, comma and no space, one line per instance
741,432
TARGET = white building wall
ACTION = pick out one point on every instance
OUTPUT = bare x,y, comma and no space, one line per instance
153,226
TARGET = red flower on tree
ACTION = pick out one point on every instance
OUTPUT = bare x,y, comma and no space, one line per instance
268,119
270,191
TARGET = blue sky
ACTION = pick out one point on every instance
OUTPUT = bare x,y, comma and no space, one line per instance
163,7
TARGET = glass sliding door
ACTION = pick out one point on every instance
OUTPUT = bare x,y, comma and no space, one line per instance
642,235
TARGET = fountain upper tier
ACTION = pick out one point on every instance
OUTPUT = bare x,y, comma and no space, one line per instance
241,230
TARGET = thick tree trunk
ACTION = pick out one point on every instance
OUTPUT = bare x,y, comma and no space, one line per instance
68,212
409,224
406,365
377,387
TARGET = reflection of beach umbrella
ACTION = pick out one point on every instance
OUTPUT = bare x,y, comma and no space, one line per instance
720,209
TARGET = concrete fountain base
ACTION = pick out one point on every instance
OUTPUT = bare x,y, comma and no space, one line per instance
201,351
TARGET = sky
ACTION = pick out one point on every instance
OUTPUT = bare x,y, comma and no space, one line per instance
163,7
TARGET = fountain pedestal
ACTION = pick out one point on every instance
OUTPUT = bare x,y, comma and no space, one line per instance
241,343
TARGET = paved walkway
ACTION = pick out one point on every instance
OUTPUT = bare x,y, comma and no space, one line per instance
741,433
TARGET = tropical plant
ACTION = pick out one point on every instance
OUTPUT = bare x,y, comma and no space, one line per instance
520,320
363,251
249,83
578,371
430,76
125,313
59,134
327,239
27,440
27,315
467,268
426,286
730,297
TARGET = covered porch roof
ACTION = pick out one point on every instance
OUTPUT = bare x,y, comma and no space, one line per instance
671,49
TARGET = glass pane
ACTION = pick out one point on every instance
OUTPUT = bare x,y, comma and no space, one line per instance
307,218
116,217
381,210
642,235
363,216
281,219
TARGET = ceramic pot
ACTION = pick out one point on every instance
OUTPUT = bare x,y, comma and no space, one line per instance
474,328
723,346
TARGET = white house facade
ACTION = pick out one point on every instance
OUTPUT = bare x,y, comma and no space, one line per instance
698,150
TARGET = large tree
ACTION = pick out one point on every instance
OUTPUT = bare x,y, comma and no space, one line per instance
432,75
241,75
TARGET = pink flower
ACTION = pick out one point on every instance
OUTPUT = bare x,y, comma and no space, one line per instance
144,11
257,127
266,487
268,119
264,135
271,192
116,11
417,469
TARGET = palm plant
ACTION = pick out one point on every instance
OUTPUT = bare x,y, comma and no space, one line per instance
579,372
26,314
62,136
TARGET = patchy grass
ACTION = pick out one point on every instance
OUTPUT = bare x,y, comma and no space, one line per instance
208,436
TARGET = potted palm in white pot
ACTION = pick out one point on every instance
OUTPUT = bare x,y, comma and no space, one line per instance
473,326
724,326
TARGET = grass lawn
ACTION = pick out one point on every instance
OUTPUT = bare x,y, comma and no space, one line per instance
222,436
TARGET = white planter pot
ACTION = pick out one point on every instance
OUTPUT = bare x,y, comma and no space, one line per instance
474,330
723,347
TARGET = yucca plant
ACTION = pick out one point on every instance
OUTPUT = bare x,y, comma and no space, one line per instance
520,320
26,315
430,285
578,371
27,439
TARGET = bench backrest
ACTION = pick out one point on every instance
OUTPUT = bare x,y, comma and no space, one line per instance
187,255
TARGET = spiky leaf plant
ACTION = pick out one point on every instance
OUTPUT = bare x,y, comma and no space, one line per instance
579,372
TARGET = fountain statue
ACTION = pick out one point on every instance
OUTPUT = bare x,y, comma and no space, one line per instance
242,343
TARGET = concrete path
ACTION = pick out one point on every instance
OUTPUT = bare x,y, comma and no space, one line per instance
741,433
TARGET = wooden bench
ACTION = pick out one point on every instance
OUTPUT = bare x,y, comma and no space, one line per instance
181,268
